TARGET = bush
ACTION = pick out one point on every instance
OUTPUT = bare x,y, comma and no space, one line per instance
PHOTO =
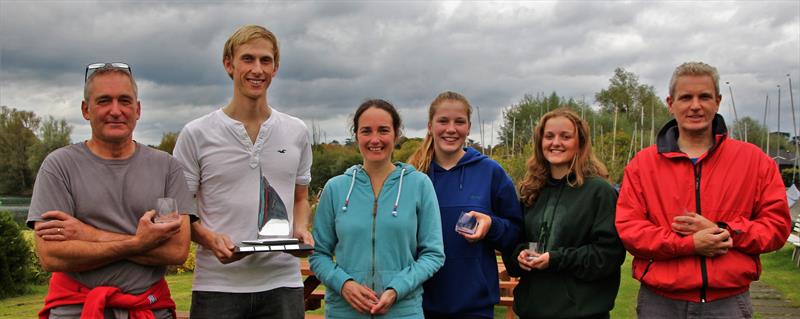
187,266
15,258
38,274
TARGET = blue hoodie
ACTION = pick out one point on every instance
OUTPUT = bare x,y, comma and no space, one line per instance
468,282
396,236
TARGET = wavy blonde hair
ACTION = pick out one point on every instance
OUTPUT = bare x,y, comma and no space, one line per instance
584,164
422,157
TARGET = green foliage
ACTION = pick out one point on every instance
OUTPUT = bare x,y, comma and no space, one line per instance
54,134
331,160
614,150
22,151
788,173
168,142
520,119
403,151
188,266
15,258
627,121
38,274
16,138
750,130
516,165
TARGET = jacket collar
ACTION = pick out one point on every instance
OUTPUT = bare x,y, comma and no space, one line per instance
667,141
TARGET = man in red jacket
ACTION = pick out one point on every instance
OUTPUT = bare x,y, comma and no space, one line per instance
696,209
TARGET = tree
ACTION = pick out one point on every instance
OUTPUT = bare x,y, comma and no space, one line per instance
168,142
53,135
403,151
755,132
16,137
520,119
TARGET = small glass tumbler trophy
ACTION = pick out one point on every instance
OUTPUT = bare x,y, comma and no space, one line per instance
533,250
466,223
166,210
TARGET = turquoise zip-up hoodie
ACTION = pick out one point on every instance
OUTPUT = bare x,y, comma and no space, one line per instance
396,238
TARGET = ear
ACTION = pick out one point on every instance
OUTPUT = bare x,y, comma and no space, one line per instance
228,65
669,104
276,70
138,109
85,110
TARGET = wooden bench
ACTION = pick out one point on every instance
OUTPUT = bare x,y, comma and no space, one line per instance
313,299
507,284
794,239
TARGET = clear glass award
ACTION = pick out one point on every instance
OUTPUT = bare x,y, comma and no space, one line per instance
466,223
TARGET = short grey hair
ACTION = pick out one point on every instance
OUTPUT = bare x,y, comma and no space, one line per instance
105,70
695,69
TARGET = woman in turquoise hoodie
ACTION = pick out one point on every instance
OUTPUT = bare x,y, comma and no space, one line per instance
466,181
377,228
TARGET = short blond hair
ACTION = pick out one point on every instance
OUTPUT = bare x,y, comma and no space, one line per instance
694,69
249,33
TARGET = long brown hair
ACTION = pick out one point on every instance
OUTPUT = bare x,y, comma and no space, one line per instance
422,157
585,164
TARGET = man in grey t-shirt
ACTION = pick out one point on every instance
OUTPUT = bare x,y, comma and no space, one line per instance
92,211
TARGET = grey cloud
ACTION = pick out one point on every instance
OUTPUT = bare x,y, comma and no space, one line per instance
336,54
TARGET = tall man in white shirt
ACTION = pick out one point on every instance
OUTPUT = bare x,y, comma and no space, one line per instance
233,157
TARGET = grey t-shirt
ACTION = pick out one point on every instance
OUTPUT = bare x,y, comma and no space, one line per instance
110,195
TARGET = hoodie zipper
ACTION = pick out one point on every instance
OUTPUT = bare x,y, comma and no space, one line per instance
374,224
703,271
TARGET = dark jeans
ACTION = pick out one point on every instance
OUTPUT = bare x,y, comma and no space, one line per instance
278,303
652,305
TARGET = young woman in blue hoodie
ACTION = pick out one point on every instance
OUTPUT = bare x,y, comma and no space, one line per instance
377,228
466,181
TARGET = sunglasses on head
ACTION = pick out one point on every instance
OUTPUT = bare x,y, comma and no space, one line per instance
94,67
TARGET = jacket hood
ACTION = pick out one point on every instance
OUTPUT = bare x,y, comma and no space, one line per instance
356,173
471,156
667,141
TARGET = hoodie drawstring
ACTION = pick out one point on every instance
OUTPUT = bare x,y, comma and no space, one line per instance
461,179
399,190
396,201
350,191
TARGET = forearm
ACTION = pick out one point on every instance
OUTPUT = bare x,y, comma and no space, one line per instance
302,209
79,255
202,235
172,252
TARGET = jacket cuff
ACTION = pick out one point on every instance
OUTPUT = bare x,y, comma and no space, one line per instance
555,259
398,288
686,246
339,280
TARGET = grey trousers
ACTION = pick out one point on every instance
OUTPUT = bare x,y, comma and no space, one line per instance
652,305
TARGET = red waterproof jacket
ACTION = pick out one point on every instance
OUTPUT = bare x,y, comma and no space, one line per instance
733,182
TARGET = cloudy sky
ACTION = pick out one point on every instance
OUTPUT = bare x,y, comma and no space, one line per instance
336,54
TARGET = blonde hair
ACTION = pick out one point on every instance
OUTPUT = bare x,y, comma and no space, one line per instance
584,164
422,157
695,69
246,34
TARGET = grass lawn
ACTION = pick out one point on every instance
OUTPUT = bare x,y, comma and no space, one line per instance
778,272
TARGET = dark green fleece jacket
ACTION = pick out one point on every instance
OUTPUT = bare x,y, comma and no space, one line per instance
585,252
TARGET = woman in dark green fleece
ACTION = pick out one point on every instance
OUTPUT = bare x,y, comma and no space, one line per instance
569,211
